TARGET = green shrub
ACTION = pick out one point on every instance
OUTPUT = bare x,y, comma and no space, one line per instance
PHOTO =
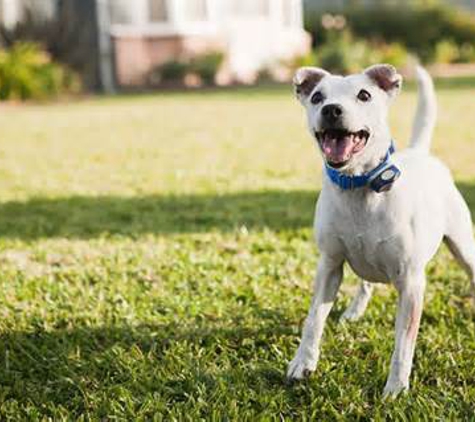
264,76
419,28
27,72
335,57
66,36
393,53
466,53
307,60
293,64
207,65
449,52
173,71
446,51
343,54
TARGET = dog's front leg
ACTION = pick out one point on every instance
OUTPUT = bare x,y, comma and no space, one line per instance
327,283
411,298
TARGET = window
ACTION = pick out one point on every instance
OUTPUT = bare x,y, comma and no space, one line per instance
158,10
196,10
251,8
120,12
288,12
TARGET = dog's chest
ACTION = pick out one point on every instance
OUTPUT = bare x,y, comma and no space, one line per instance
372,257
373,241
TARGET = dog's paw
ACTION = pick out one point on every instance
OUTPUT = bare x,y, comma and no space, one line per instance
350,315
301,367
394,389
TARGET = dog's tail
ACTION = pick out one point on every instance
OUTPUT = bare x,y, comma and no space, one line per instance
426,114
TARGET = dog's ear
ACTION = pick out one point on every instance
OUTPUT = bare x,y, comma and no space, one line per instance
306,79
385,76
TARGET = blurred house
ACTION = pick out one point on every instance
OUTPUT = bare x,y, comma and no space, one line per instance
133,37
252,34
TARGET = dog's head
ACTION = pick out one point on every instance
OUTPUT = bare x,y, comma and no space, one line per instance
348,115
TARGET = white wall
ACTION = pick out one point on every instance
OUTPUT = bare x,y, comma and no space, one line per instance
255,40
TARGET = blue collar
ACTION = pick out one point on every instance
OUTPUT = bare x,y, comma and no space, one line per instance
346,182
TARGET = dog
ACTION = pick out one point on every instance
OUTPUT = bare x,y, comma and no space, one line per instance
384,212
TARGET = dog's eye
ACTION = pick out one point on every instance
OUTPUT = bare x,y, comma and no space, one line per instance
364,96
317,98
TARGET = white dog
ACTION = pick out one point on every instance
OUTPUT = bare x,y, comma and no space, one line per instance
384,213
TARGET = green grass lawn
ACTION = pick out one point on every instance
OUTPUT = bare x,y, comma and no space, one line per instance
156,262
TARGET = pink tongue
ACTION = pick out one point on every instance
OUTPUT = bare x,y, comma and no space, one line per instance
338,150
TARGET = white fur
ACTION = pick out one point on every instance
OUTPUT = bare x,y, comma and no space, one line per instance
426,112
385,237
359,303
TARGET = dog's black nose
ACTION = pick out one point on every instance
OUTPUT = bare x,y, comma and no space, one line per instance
332,112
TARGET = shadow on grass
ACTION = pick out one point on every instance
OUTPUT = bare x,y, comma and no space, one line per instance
89,217
99,366
468,192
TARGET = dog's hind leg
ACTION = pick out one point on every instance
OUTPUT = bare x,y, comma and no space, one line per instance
459,237
359,303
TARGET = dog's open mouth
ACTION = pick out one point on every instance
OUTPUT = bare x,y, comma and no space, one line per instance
339,145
